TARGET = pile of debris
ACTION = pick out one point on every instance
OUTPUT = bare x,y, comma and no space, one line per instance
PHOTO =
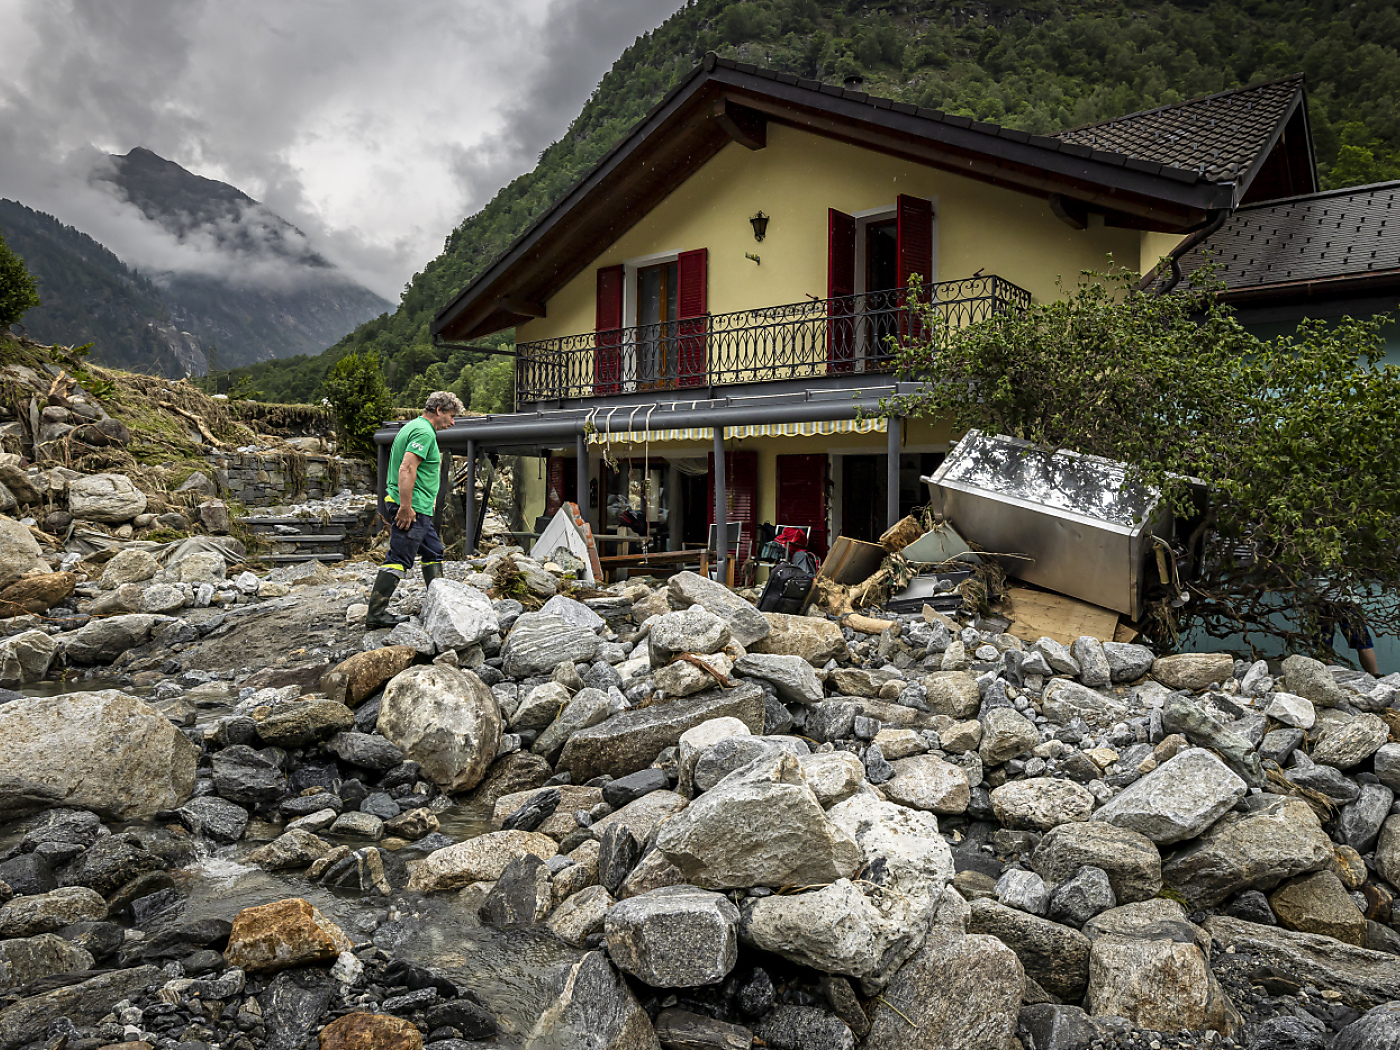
747,828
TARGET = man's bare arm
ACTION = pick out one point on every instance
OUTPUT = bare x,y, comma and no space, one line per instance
408,477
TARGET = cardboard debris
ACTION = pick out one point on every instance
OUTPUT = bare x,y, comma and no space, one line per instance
940,544
851,561
1036,614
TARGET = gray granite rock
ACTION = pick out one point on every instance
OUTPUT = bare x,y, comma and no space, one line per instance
674,937
1178,800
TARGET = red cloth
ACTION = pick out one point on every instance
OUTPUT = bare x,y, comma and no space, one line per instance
791,538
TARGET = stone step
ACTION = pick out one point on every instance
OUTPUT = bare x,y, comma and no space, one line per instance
286,559
330,537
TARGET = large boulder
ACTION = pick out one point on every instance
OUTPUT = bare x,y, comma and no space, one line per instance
358,677
283,934
19,550
692,630
1312,680
1129,859
814,638
26,658
457,615
835,929
131,565
1378,1030
630,741
1178,800
481,859
587,708
1319,903
1363,977
444,719
957,991
1056,956
1041,803
24,960
793,677
540,642
82,1003
1276,839
674,937
746,624
1163,983
927,782
301,722
761,826
595,1010
1066,700
104,751
1194,671
102,641
110,498
37,594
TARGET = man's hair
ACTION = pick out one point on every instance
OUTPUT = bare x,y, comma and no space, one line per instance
444,401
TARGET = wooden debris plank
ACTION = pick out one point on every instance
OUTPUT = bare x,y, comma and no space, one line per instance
1036,614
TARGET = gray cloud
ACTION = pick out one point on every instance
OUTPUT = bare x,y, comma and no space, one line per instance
373,127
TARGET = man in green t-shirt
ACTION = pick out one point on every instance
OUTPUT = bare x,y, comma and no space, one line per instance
414,473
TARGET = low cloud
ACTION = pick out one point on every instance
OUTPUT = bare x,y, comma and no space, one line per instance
373,128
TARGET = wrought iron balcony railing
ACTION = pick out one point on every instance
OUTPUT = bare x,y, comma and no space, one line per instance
848,334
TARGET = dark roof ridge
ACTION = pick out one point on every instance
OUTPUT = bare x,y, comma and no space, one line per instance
1182,104
1343,191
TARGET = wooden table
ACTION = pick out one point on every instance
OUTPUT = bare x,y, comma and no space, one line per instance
658,559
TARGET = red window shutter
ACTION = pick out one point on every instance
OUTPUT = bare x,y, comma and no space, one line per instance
840,286
915,252
741,484
607,342
692,309
915,239
554,484
802,496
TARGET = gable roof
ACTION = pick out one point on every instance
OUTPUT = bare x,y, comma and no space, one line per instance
1224,136
723,101
1342,237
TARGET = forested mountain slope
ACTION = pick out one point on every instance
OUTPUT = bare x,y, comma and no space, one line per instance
88,295
1036,65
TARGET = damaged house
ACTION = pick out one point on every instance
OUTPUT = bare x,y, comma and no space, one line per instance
703,322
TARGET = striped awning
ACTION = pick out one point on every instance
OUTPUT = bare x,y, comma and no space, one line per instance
641,437
874,425
820,428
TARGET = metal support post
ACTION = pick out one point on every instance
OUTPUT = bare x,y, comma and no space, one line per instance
721,510
892,474
581,447
469,526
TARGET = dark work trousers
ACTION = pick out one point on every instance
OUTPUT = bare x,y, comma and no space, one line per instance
407,544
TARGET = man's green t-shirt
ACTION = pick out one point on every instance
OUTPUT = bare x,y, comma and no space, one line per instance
420,438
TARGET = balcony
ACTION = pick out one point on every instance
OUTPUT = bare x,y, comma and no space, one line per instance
821,337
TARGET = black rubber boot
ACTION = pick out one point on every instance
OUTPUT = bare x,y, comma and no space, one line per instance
379,614
431,571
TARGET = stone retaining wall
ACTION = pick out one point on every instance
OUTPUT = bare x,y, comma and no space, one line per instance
267,480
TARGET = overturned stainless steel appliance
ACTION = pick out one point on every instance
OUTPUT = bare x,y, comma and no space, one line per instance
1071,523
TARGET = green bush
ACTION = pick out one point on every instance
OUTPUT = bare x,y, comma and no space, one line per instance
361,400
18,292
1295,437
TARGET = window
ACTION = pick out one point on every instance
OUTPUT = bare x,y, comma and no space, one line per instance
657,296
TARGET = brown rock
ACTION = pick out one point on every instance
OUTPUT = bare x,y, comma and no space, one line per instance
1319,903
36,594
358,677
369,1032
282,934
814,638
1194,671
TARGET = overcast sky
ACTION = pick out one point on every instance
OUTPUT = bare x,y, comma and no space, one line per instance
375,126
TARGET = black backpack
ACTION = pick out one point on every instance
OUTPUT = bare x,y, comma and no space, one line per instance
786,590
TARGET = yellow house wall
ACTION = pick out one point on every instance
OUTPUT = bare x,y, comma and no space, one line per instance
794,180
1154,246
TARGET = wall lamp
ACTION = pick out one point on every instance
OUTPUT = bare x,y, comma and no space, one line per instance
759,223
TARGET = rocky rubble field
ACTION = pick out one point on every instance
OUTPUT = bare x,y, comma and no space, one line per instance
671,820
